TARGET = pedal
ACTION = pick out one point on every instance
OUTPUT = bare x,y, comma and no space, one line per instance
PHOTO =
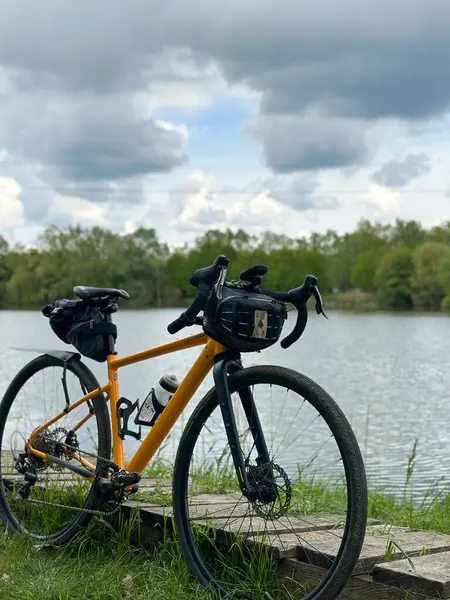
122,479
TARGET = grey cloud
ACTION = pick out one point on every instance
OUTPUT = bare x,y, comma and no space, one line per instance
347,57
398,173
342,60
93,147
210,215
69,45
98,139
310,142
300,193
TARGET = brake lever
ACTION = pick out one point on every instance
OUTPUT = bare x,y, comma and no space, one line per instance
319,302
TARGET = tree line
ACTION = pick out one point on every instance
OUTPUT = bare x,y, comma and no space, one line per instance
401,266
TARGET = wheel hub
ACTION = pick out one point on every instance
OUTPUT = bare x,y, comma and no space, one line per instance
270,490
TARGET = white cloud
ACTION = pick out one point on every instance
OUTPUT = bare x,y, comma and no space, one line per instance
199,209
11,207
382,198
259,211
79,210
130,226
182,130
176,81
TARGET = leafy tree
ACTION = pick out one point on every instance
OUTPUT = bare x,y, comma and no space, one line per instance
427,287
376,258
443,277
393,280
408,234
4,271
440,233
350,246
445,304
364,270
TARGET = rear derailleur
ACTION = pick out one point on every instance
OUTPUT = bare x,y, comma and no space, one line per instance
30,476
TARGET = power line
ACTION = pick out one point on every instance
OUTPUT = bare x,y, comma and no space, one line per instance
110,162
222,192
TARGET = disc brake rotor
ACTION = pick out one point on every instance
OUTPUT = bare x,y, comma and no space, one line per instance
273,483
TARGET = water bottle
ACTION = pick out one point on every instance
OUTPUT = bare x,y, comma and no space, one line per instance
157,400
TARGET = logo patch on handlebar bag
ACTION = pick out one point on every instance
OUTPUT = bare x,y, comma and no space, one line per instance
260,324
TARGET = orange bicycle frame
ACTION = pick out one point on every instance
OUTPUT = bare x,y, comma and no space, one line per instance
157,434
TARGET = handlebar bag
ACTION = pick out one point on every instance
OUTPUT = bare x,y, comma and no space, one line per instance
244,320
82,325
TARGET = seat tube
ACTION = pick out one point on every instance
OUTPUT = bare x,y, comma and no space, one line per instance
118,456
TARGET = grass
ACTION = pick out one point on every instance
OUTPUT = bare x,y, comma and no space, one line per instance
101,563
431,516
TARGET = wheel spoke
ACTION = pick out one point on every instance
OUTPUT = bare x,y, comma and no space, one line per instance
53,499
288,502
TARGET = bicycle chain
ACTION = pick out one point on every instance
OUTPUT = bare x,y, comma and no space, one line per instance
91,511
105,461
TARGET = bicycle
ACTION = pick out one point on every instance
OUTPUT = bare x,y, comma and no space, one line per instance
63,476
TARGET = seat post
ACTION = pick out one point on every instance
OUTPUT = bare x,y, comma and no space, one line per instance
111,345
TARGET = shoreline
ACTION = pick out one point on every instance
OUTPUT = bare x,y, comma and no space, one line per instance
329,307
350,301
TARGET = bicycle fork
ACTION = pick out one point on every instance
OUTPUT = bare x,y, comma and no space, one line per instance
222,368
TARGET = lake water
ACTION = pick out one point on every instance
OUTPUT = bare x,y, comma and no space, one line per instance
390,373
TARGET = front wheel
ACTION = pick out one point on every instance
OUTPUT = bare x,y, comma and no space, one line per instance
303,535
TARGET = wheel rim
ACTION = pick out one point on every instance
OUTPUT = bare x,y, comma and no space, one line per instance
309,500
50,509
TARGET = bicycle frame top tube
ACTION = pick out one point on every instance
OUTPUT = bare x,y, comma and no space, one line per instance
187,388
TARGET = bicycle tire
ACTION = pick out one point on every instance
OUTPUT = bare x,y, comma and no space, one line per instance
90,383
350,549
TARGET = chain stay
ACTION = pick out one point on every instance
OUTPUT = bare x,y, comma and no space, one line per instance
103,462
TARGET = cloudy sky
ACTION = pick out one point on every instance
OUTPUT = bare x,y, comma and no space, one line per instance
289,115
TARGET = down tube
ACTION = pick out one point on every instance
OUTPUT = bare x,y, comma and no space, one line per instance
177,404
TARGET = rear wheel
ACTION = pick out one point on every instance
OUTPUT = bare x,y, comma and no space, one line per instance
304,540
57,505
